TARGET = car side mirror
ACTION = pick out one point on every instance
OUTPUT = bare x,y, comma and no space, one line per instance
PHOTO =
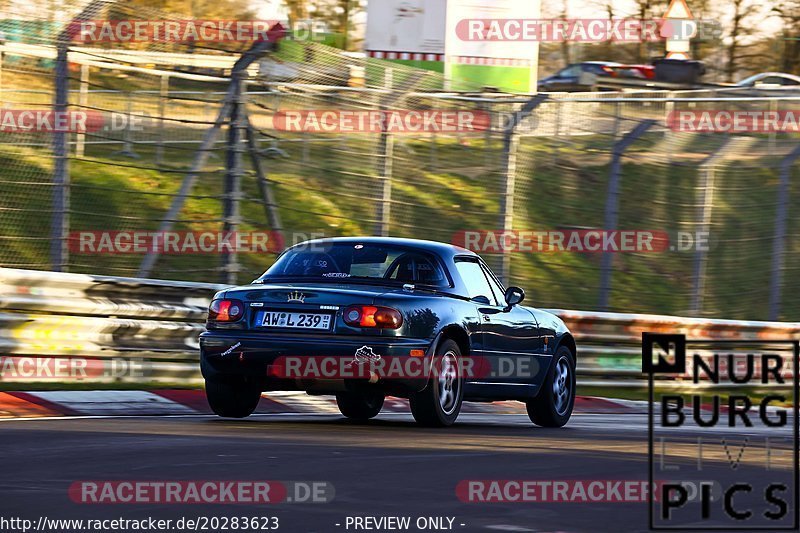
514,295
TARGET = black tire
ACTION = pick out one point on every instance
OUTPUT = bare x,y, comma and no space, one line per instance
360,406
232,399
439,403
552,407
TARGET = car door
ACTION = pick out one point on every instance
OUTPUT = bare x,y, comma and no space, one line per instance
512,335
509,336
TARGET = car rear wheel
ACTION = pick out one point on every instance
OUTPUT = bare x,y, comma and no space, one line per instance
440,402
552,407
360,406
232,399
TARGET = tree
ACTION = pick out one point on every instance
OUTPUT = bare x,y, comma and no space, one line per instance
739,29
198,9
789,13
298,9
339,16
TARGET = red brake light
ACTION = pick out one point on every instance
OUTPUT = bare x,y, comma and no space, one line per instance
370,316
225,310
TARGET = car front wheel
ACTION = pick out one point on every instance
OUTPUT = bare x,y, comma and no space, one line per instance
232,399
440,402
552,407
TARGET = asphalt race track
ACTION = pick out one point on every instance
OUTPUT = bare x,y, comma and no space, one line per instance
388,467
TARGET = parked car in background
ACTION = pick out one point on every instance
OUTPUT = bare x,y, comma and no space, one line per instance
771,81
581,76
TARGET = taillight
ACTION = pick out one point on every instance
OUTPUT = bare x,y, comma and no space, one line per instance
371,316
225,310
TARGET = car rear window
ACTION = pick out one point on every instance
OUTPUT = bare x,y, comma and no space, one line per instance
338,261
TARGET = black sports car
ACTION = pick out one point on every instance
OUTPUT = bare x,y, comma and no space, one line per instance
363,318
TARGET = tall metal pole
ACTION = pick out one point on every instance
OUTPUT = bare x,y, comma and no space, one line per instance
83,100
264,184
385,149
705,206
163,96
202,154
611,219
59,223
59,229
384,166
510,147
509,175
385,155
233,180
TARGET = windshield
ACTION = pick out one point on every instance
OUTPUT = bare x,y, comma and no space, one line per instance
357,261
750,80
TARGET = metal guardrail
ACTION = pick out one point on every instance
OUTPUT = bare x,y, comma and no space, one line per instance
610,344
74,315
156,322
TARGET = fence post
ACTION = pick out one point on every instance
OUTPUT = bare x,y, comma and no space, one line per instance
233,177
264,185
509,173
705,203
779,240
59,252
385,154
59,224
487,135
612,206
83,101
203,153
163,96
705,206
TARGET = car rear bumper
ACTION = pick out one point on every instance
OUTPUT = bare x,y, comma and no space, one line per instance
229,353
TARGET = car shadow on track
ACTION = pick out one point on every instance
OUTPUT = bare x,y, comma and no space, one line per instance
396,423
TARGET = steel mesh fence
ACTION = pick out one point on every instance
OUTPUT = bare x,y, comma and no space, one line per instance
556,166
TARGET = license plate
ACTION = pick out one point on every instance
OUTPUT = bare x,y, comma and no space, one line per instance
287,319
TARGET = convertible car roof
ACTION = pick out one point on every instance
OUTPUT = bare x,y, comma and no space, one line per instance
440,248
